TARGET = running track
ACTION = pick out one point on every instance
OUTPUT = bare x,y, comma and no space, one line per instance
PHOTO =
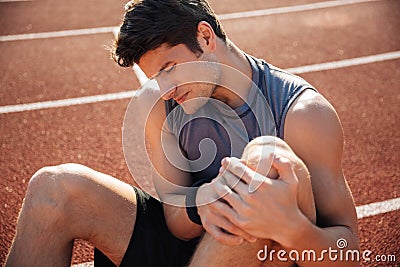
42,68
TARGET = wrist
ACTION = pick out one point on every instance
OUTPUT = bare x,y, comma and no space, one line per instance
298,229
190,201
191,207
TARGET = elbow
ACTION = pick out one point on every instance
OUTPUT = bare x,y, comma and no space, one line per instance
186,233
181,228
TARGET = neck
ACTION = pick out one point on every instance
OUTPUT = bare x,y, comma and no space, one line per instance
236,75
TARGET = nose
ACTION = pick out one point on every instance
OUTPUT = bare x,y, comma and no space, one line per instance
169,94
167,86
167,89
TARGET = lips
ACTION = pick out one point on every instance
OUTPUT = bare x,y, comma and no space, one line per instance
181,99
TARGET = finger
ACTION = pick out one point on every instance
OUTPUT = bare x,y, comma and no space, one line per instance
232,181
206,194
224,238
285,169
228,195
225,217
236,167
256,182
229,178
234,230
227,226
253,179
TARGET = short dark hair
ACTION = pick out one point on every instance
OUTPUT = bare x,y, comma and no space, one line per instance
148,24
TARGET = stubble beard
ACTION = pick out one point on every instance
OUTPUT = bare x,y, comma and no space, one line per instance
206,89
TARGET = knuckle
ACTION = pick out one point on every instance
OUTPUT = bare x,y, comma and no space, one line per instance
206,225
246,211
237,168
227,192
230,228
219,179
249,199
213,206
218,236
286,162
244,223
214,185
207,200
248,173
229,181
219,190
236,220
205,219
201,209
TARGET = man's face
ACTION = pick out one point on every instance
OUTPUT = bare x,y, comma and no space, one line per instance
181,75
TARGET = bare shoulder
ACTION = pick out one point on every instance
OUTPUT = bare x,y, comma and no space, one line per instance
312,123
149,105
311,104
148,97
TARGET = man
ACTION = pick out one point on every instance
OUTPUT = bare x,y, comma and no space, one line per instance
131,228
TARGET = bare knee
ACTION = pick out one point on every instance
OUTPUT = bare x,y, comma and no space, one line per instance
276,146
44,190
49,191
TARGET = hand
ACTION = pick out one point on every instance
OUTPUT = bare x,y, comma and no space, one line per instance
214,211
270,212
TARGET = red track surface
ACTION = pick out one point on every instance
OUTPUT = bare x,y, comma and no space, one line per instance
366,97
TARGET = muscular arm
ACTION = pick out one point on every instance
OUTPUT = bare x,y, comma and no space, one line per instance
177,220
163,149
314,132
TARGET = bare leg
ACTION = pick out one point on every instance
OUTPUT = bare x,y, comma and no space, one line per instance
212,253
67,202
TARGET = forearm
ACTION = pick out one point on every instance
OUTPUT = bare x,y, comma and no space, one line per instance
327,243
179,223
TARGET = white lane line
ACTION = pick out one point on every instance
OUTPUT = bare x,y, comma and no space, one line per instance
362,212
45,35
142,78
345,63
236,15
7,1
378,208
290,9
85,264
66,102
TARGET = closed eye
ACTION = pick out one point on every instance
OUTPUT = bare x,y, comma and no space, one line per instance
165,68
169,69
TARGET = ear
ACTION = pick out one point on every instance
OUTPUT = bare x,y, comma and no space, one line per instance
206,36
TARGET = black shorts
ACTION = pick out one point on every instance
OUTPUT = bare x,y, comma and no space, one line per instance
151,243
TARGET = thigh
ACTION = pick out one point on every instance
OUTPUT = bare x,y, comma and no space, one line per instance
212,253
102,209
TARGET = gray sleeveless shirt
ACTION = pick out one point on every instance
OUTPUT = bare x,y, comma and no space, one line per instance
215,131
